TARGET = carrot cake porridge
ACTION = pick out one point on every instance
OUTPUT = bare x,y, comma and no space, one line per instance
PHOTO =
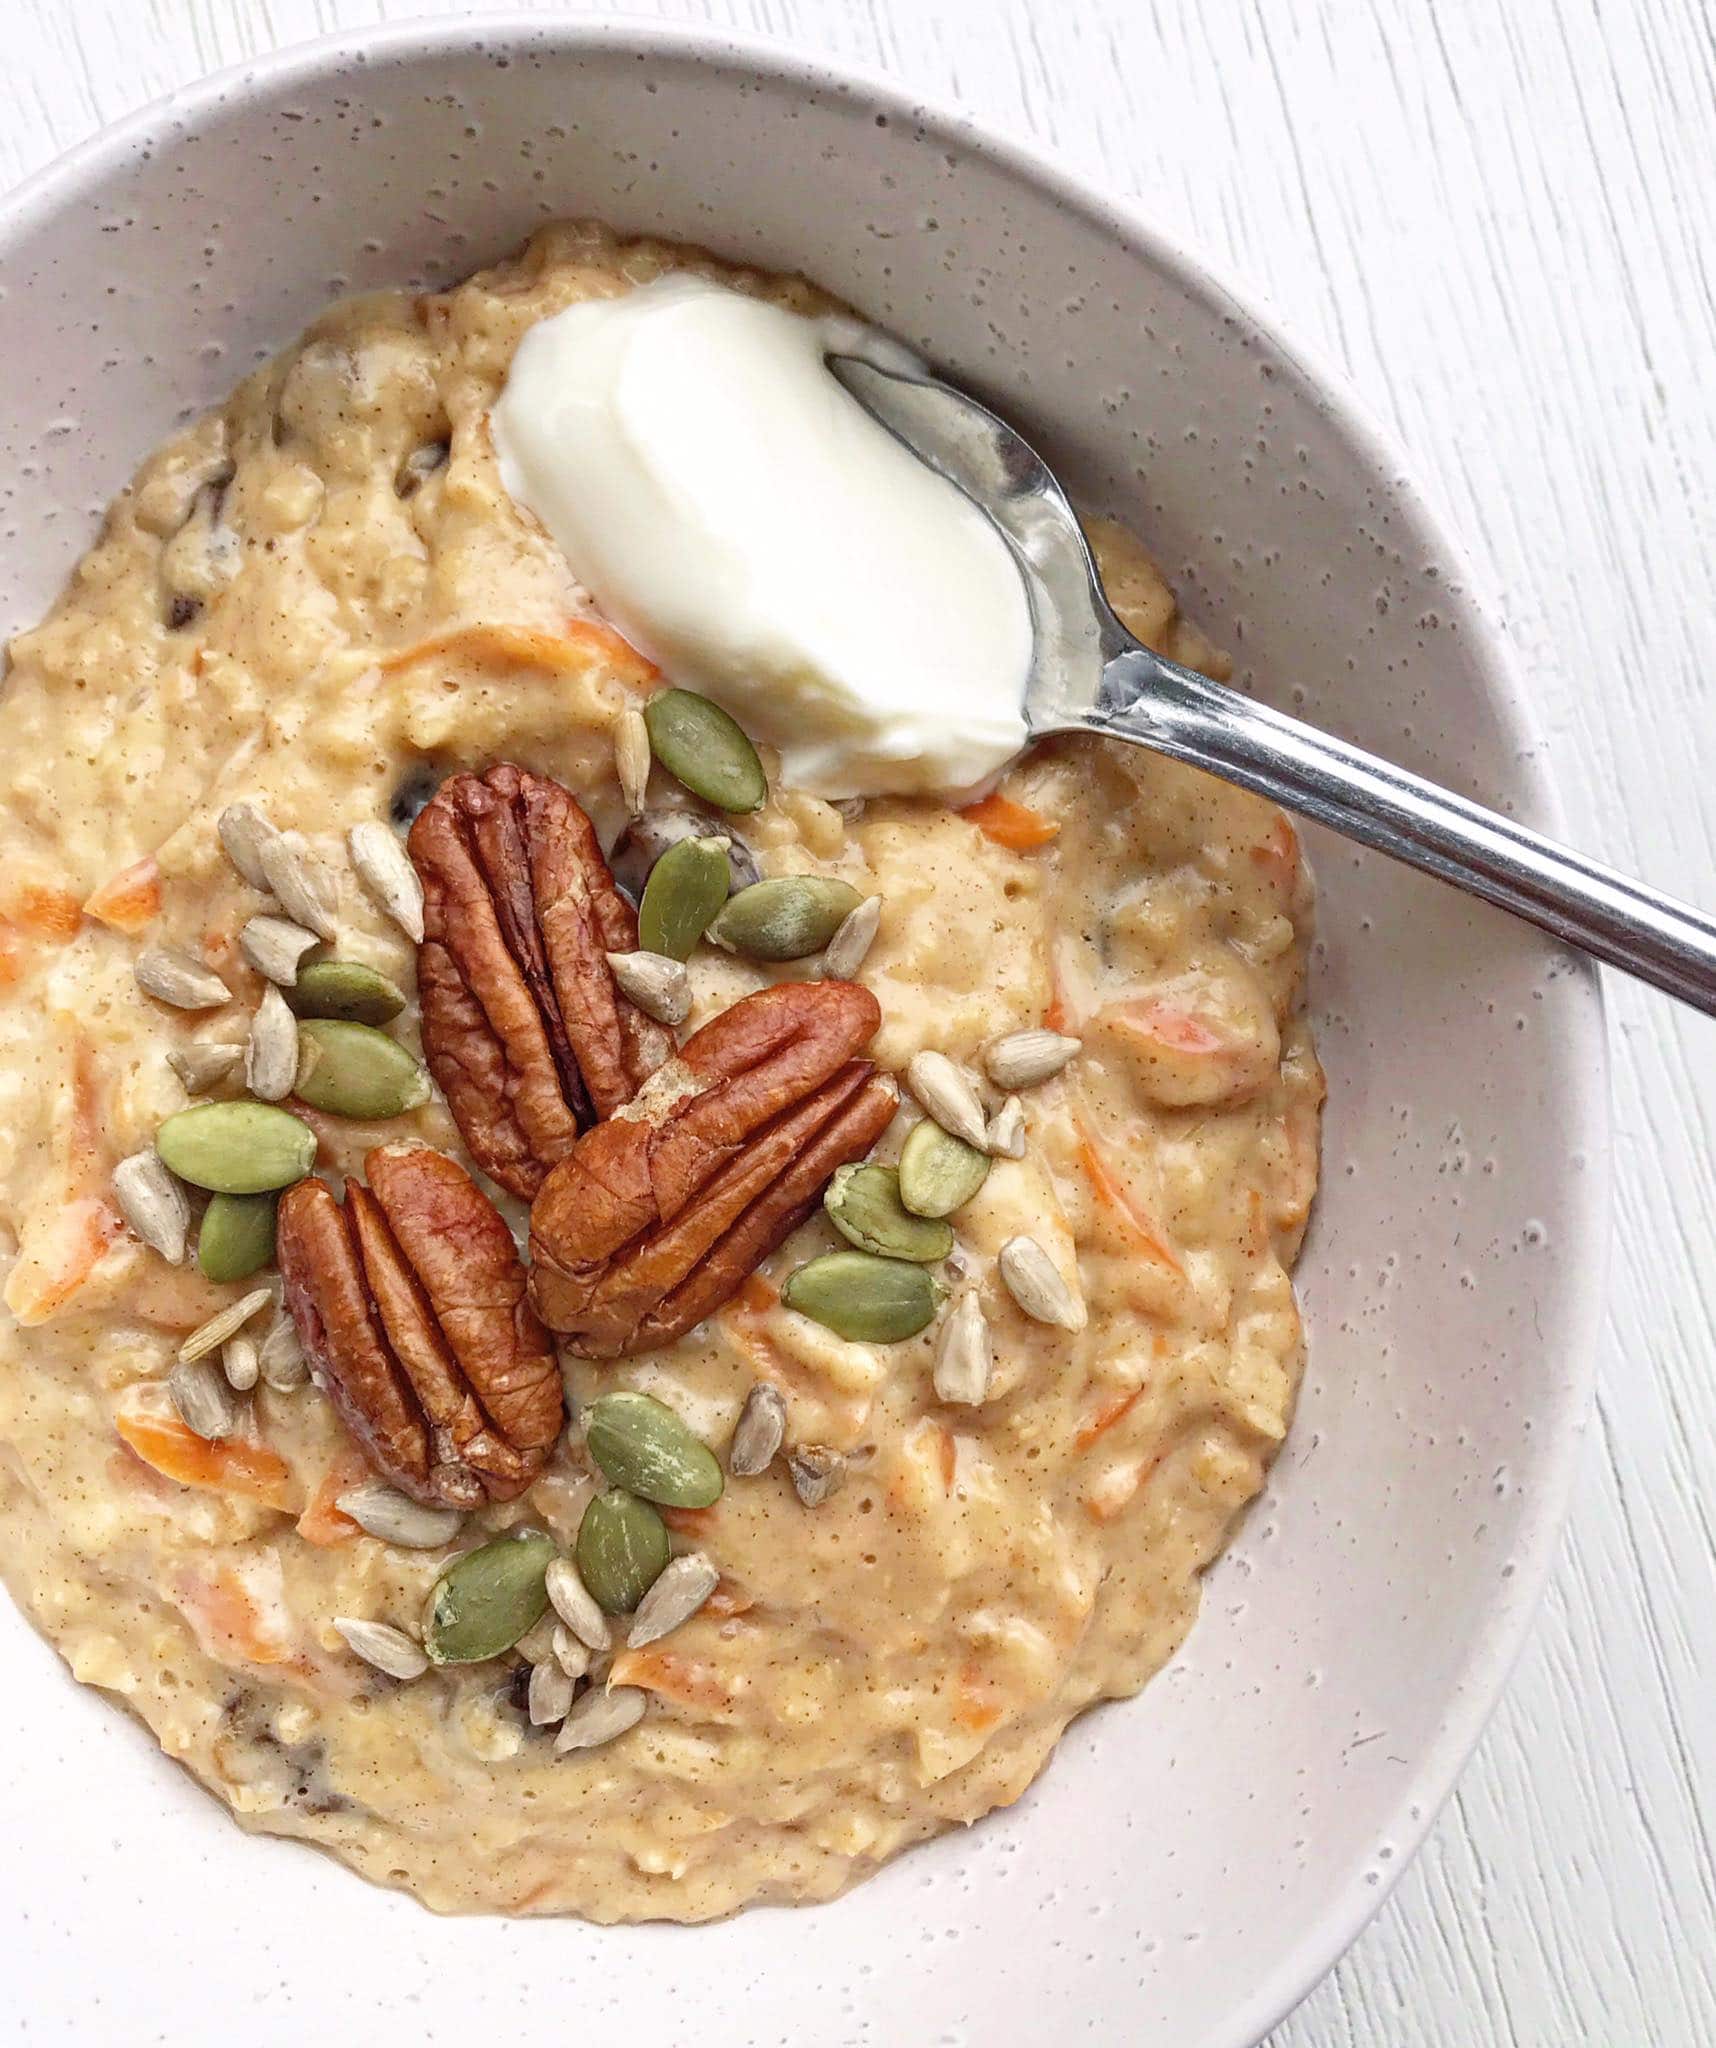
624,1284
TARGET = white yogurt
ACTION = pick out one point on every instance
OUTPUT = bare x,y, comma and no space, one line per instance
742,520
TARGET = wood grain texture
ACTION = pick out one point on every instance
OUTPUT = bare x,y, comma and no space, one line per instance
1499,220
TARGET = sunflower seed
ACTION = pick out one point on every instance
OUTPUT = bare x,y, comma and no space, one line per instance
1035,1283
241,1361
214,1333
571,1600
274,946
601,1716
153,1203
282,1358
660,987
174,978
758,1433
202,1067
815,1471
1005,1137
536,1645
550,1695
852,940
673,1599
305,888
1024,1058
203,1399
389,1649
244,830
947,1095
271,1057
392,1517
963,1356
572,1656
631,758
384,868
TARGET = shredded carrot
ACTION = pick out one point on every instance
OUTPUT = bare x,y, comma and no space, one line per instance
949,1457
230,1465
690,1681
58,1256
1010,824
978,1709
11,955
47,913
1278,856
1167,1024
322,1523
757,1296
573,647
127,901
688,1521
1112,1193
728,1599
229,1622
1113,1410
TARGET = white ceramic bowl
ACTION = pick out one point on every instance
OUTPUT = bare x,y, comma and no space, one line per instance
1194,1860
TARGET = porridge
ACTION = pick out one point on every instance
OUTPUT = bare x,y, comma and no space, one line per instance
585,1328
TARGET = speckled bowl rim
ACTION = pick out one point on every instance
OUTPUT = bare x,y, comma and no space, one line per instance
1496,1646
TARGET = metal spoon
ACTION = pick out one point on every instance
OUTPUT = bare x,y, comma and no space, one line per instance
1090,675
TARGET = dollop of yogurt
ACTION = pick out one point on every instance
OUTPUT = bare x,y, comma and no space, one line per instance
742,520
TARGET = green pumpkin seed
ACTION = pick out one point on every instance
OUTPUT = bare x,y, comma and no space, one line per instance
695,740
237,1237
786,918
237,1148
354,1070
939,1172
864,1299
685,889
484,1601
621,1550
347,990
863,1204
643,1446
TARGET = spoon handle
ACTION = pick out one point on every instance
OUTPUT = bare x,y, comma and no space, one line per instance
1177,712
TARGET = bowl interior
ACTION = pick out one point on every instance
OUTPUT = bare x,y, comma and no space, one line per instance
1192,1860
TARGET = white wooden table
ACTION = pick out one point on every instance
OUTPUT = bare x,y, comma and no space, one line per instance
1502,220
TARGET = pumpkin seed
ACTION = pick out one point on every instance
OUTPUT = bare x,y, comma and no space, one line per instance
1024,1058
241,1361
852,940
345,989
788,917
486,1599
631,758
642,1445
1005,1137
947,1095
686,887
964,1355
863,1204
244,829
600,1716
660,987
154,1204
695,740
203,1399
210,1336
758,1433
673,1599
550,1696
354,1070
939,1172
389,1649
863,1298
271,1057
175,978
237,1148
393,1517
237,1236
572,1600
621,1550
203,1067
304,887
815,1472
1034,1281
284,1366
274,946
384,868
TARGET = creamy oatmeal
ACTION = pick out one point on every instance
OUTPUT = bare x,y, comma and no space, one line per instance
952,1501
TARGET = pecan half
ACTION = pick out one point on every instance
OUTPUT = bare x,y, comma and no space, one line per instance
523,1027
655,1218
410,1305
